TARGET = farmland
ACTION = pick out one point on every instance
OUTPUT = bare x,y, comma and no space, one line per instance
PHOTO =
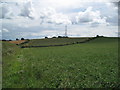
93,64
53,41
17,41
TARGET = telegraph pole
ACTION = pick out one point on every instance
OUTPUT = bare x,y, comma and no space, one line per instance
65,30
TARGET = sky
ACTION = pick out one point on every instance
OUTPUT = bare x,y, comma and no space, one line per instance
39,18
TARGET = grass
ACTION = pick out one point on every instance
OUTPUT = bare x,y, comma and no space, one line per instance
89,65
18,41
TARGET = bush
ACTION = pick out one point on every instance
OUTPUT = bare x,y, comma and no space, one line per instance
22,39
59,36
46,37
65,36
17,39
10,40
27,39
97,36
4,40
62,36
53,37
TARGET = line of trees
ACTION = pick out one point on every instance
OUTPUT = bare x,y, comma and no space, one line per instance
11,40
21,39
47,37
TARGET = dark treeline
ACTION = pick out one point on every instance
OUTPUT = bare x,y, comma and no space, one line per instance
45,38
13,40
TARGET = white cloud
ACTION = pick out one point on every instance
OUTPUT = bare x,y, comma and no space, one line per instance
86,31
15,0
61,0
6,12
33,10
91,17
48,33
5,30
112,4
46,15
28,11
50,15
81,31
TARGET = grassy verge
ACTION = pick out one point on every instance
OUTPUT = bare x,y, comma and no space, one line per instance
89,65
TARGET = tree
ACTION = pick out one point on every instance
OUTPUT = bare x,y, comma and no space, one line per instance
3,40
54,37
59,36
10,40
17,39
65,36
22,39
97,36
46,37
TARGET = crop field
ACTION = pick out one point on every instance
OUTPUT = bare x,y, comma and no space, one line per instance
17,42
93,64
53,41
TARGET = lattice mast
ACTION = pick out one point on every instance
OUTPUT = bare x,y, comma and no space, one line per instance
65,30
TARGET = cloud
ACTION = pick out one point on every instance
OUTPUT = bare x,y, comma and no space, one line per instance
48,33
5,30
46,15
50,15
34,10
6,12
27,15
91,17
112,4
81,31
86,31
28,11
61,0
14,10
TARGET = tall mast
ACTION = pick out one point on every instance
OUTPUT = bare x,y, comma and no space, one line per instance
65,30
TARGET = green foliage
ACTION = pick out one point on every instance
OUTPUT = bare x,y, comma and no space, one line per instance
8,48
89,65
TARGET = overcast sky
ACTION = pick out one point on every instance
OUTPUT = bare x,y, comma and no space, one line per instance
40,18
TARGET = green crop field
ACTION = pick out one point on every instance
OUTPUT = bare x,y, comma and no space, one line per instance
53,41
93,64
